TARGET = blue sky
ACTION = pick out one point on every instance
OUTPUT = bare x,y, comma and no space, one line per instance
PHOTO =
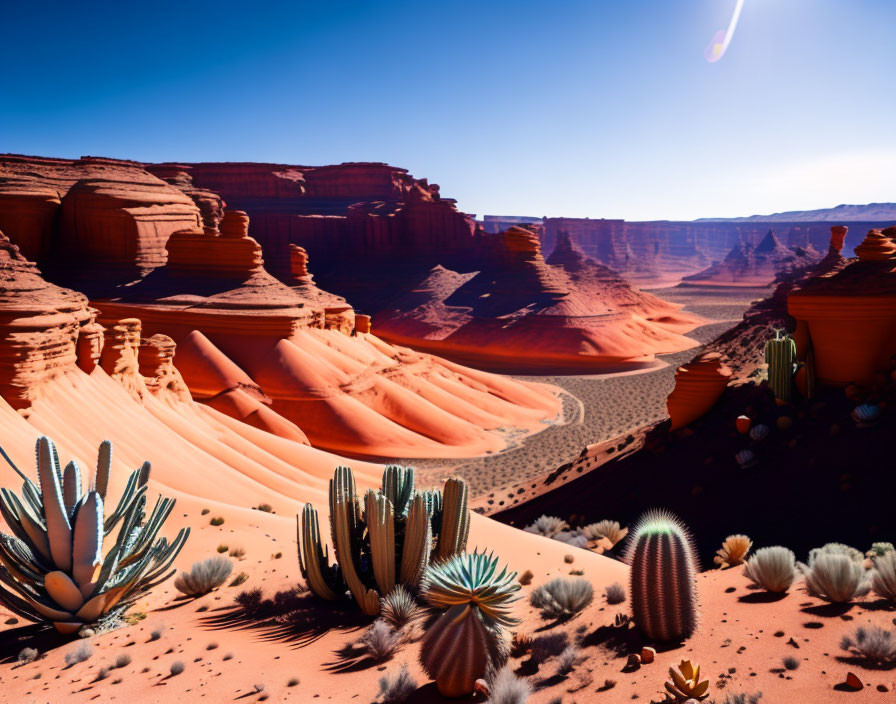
580,108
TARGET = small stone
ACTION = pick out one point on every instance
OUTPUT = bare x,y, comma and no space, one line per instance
633,662
647,655
882,688
854,682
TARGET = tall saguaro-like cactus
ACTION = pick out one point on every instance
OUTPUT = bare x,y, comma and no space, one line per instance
663,577
390,542
52,568
780,355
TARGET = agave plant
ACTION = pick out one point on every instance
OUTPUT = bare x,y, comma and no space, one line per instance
469,639
685,684
53,569
390,542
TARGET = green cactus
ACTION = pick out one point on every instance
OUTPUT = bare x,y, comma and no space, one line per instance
470,638
663,578
780,355
390,542
53,569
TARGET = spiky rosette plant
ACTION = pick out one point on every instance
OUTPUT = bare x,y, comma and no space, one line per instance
53,569
663,577
470,638
389,542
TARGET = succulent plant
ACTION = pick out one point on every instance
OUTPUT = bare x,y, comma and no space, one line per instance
390,542
469,639
685,683
780,355
733,551
835,576
610,531
663,562
772,568
548,526
53,568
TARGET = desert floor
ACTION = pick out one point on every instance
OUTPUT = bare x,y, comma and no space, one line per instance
597,407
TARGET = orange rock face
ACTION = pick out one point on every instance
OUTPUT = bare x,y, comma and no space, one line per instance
698,385
876,247
525,313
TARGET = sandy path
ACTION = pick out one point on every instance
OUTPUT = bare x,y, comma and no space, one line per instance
596,407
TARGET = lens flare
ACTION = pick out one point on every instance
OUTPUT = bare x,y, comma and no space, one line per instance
721,39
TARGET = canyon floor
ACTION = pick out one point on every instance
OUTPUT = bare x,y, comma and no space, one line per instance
596,407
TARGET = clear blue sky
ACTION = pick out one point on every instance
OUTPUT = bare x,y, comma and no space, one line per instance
582,108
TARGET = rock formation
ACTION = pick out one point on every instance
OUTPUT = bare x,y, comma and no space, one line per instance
527,314
698,385
748,265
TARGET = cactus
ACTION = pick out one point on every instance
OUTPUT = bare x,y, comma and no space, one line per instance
663,573
53,569
469,639
390,543
780,355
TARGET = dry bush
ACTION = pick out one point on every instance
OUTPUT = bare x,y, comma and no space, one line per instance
526,578
883,576
520,644
548,645
742,698
773,569
562,598
608,530
238,552
217,521
396,687
872,644
177,667
835,576
222,548
573,538
733,551
790,663
204,576
507,688
239,579
250,600
381,640
548,526
28,655
122,660
399,608
568,659
81,653
615,593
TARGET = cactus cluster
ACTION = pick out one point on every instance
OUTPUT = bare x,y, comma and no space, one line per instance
780,355
391,541
663,578
53,568
469,640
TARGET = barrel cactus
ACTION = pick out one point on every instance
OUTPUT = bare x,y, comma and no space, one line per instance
470,639
53,568
780,355
390,542
663,577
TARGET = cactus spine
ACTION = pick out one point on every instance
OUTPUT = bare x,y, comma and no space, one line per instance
780,355
663,574
391,542
469,638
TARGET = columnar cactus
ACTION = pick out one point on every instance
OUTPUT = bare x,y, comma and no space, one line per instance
780,355
469,639
390,542
53,569
663,574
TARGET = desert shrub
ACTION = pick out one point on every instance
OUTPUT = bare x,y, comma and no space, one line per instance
122,660
222,548
548,526
238,552
615,593
880,549
609,530
381,640
836,549
569,559
872,644
742,698
81,653
573,538
293,682
212,646
267,508
883,576
250,600
526,578
790,663
204,576
562,598
520,644
399,608
239,579
156,633
835,576
28,655
733,551
507,688
205,511
773,568
568,659
217,521
177,667
102,674
396,687
547,646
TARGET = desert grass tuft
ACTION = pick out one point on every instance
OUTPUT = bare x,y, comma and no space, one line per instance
396,687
